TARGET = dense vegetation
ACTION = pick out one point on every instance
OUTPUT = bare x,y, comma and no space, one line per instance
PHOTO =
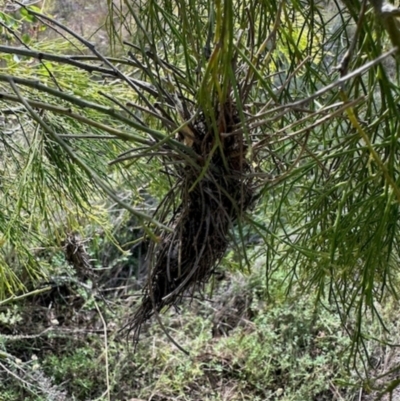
220,179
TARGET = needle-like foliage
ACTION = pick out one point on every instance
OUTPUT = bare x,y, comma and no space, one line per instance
279,115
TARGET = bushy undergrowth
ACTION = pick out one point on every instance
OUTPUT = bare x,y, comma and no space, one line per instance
244,344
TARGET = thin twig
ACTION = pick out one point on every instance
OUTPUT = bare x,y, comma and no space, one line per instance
84,167
343,66
108,392
118,134
283,109
27,384
26,295
71,60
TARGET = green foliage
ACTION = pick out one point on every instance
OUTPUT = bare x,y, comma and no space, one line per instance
81,368
329,187
329,207
317,100
292,351
290,347
10,317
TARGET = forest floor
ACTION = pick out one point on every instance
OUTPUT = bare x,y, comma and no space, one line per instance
244,343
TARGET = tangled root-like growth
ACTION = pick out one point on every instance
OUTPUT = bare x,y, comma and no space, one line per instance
212,198
77,256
